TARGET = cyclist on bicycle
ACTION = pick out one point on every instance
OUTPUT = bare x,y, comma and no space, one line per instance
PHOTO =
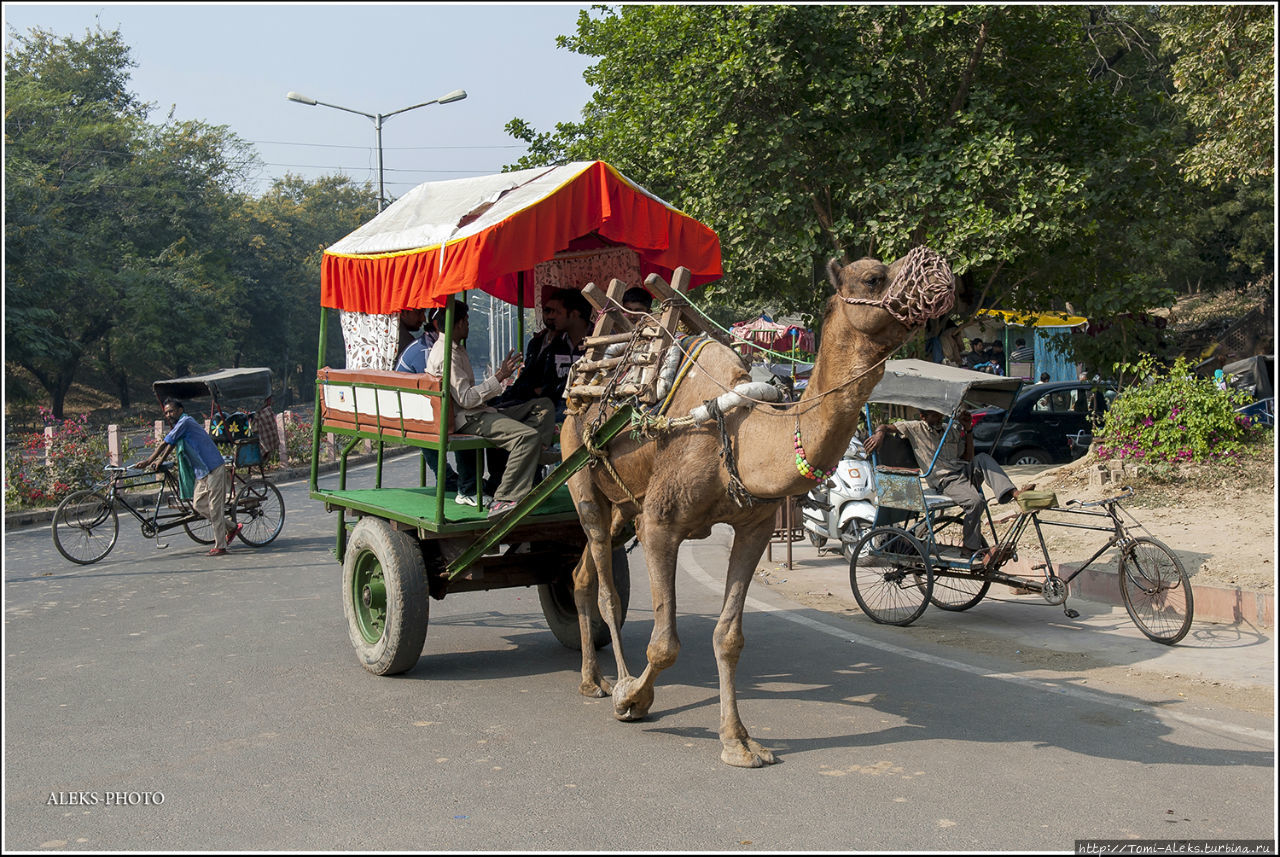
205,459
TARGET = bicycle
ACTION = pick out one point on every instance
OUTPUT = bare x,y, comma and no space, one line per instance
903,569
86,524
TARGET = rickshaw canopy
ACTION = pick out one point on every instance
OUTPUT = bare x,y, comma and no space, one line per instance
442,238
223,384
938,387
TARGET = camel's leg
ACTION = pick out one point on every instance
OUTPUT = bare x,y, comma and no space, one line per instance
632,698
749,542
595,513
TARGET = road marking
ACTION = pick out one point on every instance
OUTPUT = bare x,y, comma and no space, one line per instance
696,570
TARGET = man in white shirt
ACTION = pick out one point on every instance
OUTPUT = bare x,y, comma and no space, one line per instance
522,430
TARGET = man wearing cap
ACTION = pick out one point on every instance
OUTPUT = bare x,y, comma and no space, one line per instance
957,472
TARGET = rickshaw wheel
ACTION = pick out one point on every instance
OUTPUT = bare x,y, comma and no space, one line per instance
891,577
955,593
85,527
384,597
1156,590
561,612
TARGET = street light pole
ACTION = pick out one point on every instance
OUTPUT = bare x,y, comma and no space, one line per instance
378,118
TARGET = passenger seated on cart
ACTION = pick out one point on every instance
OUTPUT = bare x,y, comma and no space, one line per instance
522,430
205,459
957,472
552,351
414,359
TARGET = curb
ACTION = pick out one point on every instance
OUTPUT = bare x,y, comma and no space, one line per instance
32,517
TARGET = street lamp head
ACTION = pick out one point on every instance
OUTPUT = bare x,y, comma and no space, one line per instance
456,95
302,99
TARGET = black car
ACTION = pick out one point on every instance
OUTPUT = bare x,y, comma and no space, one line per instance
1049,423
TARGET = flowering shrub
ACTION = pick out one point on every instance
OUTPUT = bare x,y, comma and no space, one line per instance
42,471
297,440
1173,417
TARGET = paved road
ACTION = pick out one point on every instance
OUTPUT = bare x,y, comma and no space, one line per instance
229,688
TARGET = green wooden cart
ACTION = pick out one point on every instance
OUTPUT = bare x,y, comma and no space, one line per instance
509,235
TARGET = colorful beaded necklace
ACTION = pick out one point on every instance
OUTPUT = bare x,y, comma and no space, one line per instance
806,469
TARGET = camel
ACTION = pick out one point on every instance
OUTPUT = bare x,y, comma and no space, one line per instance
678,485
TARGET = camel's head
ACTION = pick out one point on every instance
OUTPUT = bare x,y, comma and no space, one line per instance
887,302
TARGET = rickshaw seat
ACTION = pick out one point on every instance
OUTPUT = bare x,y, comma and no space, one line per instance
393,405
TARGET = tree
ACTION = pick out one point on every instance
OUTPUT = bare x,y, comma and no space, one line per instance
114,257
1224,71
280,241
1033,146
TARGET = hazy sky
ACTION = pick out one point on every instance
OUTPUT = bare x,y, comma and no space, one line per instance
232,64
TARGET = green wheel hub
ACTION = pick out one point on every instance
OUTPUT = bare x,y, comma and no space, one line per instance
369,597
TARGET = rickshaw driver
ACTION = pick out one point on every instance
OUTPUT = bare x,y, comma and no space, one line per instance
212,480
522,430
957,473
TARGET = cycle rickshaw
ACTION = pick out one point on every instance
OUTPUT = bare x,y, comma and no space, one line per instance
86,524
913,556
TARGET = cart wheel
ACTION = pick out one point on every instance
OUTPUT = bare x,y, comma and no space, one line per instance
964,590
384,597
891,577
1156,590
259,510
85,527
562,614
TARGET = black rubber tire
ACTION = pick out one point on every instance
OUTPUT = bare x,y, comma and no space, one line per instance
1030,455
259,512
814,539
1156,590
562,614
384,597
85,527
891,578
200,530
964,590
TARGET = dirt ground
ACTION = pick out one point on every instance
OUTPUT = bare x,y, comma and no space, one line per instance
1219,519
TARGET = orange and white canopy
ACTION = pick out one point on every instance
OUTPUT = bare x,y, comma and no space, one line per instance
442,238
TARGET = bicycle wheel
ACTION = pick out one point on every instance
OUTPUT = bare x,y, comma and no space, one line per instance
891,578
200,530
85,527
964,590
259,510
1156,590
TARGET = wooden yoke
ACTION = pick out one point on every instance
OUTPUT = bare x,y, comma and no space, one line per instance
634,373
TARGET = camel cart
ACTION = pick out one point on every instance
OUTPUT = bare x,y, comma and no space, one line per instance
514,236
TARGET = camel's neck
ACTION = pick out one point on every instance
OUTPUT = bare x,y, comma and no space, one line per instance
848,367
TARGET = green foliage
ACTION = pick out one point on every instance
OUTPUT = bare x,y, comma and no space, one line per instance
1224,71
1172,416
801,132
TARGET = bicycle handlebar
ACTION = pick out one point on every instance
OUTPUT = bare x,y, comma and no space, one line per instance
1128,492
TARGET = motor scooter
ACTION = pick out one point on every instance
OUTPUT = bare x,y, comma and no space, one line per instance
843,507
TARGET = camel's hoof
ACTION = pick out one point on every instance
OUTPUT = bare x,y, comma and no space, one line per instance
629,709
748,754
595,690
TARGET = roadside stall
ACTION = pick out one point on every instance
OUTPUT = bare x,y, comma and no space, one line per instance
1037,329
